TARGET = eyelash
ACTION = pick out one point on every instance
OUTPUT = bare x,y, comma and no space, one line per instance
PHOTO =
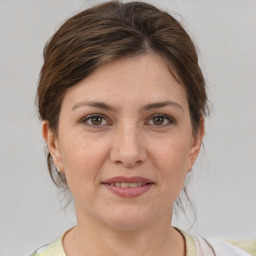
85,120
169,119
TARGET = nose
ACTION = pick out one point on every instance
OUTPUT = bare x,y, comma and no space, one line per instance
128,147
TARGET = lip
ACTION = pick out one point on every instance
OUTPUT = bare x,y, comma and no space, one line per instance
127,180
128,192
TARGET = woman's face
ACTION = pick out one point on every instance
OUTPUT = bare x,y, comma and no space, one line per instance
125,143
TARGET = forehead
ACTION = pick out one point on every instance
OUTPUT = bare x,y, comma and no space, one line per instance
134,80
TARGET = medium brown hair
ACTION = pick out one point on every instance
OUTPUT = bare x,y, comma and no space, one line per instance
107,32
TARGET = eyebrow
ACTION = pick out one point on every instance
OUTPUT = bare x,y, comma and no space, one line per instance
161,105
105,106
95,104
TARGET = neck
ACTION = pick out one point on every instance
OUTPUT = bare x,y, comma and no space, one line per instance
93,238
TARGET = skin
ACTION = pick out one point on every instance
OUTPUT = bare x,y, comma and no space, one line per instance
129,142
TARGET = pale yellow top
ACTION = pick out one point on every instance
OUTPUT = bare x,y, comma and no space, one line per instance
56,248
195,246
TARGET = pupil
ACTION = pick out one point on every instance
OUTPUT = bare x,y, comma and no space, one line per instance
158,120
96,120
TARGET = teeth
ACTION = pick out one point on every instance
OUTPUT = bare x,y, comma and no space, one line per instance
133,185
124,185
128,185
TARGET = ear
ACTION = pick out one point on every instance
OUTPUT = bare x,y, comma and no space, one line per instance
53,144
196,144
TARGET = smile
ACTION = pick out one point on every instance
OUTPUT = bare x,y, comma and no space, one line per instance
128,187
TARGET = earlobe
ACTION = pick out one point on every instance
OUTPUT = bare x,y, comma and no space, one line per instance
52,143
196,144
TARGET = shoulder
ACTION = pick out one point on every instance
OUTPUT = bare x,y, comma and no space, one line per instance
218,247
39,251
55,248
199,246
247,245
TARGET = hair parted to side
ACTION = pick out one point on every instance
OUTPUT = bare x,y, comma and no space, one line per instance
111,31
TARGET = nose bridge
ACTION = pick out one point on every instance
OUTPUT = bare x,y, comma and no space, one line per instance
128,147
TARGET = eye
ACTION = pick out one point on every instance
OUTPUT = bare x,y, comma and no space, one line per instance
160,120
95,120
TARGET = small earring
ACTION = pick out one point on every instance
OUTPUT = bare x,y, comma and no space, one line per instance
58,169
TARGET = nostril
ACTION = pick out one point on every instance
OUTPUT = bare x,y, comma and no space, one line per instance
128,157
118,162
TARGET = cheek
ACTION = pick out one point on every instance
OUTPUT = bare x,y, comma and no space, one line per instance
171,161
82,158
173,154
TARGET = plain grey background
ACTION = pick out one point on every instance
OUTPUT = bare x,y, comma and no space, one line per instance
223,180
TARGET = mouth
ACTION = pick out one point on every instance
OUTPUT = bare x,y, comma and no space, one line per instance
128,187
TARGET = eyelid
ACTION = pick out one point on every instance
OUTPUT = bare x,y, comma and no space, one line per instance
85,119
170,119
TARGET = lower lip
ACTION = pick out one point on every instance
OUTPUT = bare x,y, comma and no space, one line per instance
129,192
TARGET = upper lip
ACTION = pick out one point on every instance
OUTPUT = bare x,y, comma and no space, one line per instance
122,179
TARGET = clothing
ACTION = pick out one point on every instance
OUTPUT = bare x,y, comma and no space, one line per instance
199,246
195,246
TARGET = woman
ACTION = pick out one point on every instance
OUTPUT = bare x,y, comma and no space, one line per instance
122,101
